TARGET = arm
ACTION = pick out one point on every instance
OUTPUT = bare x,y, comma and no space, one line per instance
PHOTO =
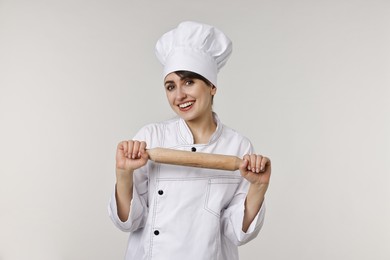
130,155
257,170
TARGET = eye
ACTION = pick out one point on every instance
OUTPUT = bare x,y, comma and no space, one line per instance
189,82
169,87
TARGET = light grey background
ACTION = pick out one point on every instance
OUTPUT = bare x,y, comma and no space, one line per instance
308,83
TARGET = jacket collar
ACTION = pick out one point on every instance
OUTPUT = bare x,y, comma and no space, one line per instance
187,136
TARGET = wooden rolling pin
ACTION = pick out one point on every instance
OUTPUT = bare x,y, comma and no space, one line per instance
202,160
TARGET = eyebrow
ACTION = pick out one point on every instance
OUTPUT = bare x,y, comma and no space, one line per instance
169,82
181,79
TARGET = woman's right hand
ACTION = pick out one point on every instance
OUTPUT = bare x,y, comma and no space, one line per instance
131,155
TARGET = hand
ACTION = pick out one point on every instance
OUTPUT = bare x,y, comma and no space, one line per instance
131,155
256,169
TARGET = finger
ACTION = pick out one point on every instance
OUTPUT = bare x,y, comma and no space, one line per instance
120,150
264,163
123,145
258,163
135,151
253,159
130,145
246,160
142,148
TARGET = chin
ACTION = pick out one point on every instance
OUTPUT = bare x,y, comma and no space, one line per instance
187,117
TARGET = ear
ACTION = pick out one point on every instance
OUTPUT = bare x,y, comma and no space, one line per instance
213,90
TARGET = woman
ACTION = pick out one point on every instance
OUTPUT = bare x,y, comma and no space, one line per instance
177,212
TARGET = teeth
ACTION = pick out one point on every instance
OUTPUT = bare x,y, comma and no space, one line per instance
187,104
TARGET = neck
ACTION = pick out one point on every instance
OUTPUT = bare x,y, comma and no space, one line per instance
202,129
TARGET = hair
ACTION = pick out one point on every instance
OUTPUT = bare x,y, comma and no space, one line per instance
192,75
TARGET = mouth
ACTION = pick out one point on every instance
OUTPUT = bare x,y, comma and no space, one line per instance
186,106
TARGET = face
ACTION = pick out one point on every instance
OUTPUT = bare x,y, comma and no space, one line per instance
191,99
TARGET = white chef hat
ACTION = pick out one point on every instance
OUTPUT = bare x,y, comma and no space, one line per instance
195,47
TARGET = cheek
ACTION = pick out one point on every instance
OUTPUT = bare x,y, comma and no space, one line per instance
170,98
208,97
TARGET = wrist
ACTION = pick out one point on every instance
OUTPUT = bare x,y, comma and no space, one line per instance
260,188
124,175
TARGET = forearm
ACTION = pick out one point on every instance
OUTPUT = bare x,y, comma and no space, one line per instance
253,203
123,193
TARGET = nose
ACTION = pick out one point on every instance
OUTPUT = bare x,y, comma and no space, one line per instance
180,93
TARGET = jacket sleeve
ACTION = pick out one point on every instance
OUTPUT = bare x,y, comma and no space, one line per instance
139,203
233,216
138,207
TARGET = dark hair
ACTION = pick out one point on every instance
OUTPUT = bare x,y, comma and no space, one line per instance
192,75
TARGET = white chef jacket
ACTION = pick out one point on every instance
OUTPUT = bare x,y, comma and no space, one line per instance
187,213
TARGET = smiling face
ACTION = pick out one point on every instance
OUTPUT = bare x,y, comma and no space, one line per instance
190,98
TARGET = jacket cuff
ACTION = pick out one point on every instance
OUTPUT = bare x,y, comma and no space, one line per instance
257,222
136,211
254,227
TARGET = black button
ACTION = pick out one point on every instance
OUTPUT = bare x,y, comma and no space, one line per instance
160,192
193,149
156,232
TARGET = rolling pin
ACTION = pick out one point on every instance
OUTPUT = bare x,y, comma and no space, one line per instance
201,160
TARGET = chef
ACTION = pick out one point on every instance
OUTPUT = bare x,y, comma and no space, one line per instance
186,213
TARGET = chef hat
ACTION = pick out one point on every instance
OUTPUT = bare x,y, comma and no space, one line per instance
194,47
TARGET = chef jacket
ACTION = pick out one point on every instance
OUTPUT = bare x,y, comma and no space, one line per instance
187,213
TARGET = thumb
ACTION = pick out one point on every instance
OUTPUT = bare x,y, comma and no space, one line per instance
144,155
244,165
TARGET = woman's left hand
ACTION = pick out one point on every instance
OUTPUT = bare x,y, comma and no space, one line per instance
256,169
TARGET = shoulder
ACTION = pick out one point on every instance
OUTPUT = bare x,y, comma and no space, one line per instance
235,138
151,133
231,133
155,128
